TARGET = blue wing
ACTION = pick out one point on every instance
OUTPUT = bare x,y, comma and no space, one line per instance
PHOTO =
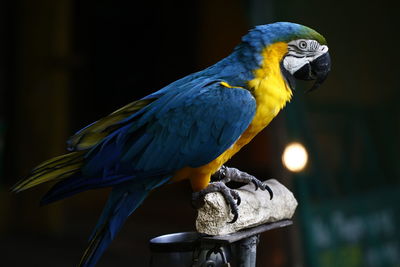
186,127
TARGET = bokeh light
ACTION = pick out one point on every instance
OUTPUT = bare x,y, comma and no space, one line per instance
295,157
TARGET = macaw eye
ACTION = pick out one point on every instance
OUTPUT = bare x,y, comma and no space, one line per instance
303,45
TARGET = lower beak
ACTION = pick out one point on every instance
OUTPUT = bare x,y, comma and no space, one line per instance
316,70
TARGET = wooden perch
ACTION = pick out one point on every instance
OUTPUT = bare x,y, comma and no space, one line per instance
256,208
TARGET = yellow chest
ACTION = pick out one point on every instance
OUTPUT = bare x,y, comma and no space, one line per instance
271,94
269,87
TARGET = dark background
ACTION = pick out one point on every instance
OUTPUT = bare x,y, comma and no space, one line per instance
66,63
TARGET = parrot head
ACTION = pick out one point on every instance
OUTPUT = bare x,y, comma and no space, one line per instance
306,56
307,59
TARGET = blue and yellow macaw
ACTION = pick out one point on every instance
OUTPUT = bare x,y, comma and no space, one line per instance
186,130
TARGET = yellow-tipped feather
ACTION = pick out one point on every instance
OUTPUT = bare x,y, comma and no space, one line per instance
93,244
93,134
63,166
88,140
57,168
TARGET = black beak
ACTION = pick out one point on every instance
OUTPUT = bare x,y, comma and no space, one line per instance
316,70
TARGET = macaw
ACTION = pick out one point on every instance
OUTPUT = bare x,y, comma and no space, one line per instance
186,130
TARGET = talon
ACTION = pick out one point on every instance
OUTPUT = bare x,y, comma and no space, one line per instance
238,201
269,191
235,217
236,196
234,206
262,186
255,184
258,184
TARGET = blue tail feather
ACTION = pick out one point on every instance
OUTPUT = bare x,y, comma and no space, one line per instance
123,200
120,205
78,183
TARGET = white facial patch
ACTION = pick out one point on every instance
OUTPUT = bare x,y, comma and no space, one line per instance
301,52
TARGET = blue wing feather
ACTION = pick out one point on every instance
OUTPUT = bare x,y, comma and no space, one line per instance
190,130
213,121
199,122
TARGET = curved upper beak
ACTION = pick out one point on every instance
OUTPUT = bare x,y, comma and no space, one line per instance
316,70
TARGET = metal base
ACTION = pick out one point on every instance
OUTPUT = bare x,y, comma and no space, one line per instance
193,249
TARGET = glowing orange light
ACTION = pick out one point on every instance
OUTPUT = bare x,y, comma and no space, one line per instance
295,157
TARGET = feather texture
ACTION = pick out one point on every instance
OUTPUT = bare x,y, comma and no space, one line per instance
175,133
121,203
97,131
55,169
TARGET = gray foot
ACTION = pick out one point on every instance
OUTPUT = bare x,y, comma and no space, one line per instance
231,197
226,174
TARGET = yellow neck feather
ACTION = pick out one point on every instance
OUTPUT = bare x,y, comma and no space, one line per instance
269,87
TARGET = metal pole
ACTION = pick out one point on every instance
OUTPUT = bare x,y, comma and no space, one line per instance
247,250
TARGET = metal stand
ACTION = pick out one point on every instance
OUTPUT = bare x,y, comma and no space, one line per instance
192,249
247,251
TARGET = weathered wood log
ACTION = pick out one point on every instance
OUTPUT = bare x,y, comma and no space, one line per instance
256,208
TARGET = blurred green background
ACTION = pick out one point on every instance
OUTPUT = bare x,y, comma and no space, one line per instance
66,63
